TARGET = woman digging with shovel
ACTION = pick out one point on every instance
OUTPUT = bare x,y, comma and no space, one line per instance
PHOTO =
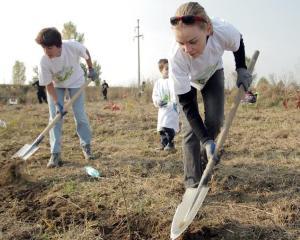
60,70
196,63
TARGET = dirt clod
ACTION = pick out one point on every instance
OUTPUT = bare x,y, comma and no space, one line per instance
11,173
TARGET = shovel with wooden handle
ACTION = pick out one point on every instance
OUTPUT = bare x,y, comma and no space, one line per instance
193,198
29,149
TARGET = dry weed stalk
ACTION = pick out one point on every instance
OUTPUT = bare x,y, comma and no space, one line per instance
126,206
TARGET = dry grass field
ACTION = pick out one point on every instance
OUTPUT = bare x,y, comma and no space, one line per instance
255,191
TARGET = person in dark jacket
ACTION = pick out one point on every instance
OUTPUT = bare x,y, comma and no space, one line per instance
104,89
41,93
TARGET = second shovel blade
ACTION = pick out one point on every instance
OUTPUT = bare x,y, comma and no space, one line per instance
182,218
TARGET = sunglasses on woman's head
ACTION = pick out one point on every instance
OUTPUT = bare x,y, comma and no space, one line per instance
188,20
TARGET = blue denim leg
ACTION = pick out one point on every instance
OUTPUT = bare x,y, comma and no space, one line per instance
81,119
55,132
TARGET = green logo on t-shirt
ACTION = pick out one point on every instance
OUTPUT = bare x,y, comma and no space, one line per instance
166,98
63,75
206,74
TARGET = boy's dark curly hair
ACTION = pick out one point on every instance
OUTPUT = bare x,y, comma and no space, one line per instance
48,37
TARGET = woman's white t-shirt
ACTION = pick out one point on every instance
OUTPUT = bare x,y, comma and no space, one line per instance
65,71
187,71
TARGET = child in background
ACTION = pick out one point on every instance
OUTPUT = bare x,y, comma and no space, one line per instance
164,99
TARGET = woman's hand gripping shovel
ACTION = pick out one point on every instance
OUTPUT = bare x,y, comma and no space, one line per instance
193,198
29,149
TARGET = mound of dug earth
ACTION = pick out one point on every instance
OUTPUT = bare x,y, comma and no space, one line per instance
11,173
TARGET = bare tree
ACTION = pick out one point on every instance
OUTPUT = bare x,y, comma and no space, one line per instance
35,76
70,32
97,68
19,70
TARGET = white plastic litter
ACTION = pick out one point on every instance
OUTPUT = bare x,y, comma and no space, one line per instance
92,172
3,124
13,101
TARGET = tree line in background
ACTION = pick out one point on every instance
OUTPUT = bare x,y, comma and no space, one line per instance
69,32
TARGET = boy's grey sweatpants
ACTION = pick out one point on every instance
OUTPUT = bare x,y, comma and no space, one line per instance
213,99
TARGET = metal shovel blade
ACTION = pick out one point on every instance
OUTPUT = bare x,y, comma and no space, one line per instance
26,151
187,210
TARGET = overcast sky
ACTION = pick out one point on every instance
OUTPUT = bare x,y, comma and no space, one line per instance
271,26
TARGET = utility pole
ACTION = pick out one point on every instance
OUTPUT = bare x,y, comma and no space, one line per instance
138,36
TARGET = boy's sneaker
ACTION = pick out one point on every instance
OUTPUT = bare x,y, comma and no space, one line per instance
170,146
87,152
54,161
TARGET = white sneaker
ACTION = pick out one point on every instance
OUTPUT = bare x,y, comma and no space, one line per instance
54,161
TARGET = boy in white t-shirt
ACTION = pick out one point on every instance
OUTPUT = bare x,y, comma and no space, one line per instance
196,63
60,71
164,99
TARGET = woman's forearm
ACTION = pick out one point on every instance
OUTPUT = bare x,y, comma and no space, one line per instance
190,109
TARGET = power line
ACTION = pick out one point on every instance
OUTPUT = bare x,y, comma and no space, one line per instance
138,36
